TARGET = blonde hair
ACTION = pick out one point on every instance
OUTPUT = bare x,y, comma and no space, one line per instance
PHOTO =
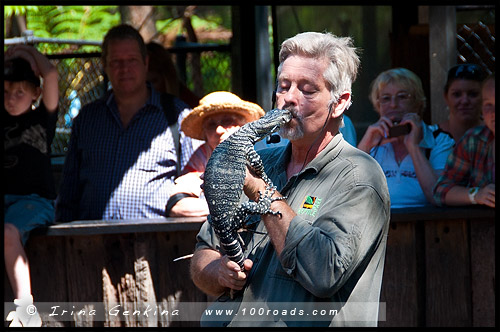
404,78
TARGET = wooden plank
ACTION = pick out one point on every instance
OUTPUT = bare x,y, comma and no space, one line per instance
427,278
442,55
126,290
174,284
110,299
482,251
400,282
145,249
44,286
119,259
99,227
430,213
84,264
47,260
448,292
48,278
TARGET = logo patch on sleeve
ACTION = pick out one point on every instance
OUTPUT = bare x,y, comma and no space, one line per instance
310,206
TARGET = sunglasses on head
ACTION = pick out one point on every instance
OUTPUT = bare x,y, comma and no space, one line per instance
466,71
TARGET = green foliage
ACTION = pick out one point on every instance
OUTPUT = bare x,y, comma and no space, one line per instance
201,23
17,10
206,17
67,22
220,16
162,26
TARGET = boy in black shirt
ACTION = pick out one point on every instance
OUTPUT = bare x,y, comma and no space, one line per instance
29,185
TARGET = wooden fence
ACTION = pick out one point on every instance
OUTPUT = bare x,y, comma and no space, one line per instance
440,268
439,271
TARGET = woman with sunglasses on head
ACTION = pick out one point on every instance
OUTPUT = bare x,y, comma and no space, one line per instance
462,93
469,176
411,153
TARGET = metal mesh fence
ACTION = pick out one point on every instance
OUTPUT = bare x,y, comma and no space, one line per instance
80,82
215,71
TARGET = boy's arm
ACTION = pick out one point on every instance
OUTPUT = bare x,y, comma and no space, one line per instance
42,67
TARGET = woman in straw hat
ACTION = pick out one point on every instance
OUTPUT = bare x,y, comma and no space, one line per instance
219,115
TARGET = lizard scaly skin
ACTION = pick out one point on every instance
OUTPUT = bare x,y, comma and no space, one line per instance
225,176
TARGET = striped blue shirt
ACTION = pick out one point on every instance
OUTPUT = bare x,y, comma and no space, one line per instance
112,172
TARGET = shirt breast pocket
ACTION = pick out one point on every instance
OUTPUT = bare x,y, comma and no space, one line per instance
159,155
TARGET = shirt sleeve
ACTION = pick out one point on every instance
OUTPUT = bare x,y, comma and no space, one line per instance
198,160
456,172
67,201
206,238
441,151
188,144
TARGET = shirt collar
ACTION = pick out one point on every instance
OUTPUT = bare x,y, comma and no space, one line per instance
485,134
428,140
153,99
329,153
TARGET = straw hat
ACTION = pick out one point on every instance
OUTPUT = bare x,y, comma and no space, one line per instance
214,103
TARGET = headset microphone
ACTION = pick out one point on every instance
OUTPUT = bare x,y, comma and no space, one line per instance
273,139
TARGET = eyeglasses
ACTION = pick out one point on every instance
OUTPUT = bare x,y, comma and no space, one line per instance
466,71
401,97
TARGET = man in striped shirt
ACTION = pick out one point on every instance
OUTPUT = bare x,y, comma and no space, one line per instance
122,158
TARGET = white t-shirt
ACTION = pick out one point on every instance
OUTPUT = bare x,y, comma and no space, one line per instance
404,188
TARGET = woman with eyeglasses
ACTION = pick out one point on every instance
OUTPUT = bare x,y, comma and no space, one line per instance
462,93
411,153
469,176
218,115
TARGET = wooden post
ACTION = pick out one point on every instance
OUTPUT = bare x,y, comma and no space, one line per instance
443,55
482,235
400,289
448,291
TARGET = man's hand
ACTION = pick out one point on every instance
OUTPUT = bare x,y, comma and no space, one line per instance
230,275
486,195
253,184
214,273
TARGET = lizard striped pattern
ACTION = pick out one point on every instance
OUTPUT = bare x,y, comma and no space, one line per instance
225,176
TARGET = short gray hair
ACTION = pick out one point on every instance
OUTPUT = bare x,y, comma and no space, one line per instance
342,57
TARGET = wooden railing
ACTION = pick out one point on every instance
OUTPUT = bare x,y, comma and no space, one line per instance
439,270
440,267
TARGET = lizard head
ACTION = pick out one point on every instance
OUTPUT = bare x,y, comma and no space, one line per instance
266,125
275,118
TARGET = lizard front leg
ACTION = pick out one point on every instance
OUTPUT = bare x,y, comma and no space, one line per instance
255,163
263,206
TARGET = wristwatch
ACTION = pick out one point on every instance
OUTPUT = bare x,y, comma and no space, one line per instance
472,194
